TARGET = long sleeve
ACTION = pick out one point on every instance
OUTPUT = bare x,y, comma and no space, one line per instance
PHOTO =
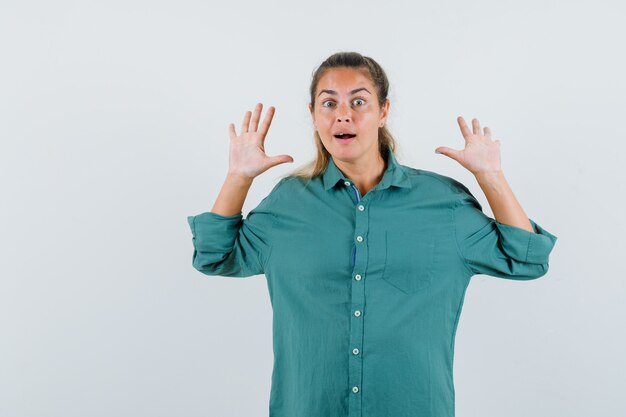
232,246
492,248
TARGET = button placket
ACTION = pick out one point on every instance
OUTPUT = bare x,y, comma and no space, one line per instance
359,259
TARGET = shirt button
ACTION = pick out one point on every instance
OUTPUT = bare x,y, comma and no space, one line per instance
355,389
355,351
361,207
347,183
357,277
359,238
357,313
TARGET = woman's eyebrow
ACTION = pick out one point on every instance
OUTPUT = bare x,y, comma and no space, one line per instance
356,90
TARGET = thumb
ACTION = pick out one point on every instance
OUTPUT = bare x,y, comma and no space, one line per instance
449,152
279,159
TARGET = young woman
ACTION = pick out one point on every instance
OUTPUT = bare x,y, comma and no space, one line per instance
366,260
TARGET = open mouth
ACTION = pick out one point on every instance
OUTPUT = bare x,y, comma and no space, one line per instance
345,136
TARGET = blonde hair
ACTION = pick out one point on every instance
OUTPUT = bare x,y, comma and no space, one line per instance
386,141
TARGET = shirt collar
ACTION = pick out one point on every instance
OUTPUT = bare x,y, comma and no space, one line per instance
395,174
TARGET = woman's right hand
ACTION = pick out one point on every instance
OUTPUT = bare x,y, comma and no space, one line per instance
247,156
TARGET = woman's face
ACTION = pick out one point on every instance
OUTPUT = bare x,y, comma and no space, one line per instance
346,103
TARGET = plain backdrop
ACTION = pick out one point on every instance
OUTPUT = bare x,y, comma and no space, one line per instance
114,128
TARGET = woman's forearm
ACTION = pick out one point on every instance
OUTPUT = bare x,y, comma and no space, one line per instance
506,209
232,195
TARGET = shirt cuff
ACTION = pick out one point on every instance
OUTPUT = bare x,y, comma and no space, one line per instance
214,228
525,246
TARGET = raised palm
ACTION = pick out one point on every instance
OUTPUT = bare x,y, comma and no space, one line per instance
247,155
481,153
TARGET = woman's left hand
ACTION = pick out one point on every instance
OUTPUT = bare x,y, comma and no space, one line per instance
481,154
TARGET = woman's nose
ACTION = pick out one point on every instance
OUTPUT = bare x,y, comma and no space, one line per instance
343,113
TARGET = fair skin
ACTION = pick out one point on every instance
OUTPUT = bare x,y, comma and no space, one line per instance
340,109
481,156
247,159
346,102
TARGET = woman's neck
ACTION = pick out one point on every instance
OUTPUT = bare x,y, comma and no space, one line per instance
365,177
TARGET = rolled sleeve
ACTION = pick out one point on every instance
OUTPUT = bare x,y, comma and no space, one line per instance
231,245
525,246
493,248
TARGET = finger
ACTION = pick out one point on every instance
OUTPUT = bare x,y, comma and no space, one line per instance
464,129
231,131
487,131
279,159
246,122
476,127
267,121
254,123
449,152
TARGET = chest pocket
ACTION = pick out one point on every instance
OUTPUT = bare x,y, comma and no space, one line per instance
409,261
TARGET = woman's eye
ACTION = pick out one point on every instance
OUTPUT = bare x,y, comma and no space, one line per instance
330,103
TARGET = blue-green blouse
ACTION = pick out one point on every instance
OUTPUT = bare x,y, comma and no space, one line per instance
366,291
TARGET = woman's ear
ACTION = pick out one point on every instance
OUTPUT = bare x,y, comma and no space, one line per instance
384,112
312,115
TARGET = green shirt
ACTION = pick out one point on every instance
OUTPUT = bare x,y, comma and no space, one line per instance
366,291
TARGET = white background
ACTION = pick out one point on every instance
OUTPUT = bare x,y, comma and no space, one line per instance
114,128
